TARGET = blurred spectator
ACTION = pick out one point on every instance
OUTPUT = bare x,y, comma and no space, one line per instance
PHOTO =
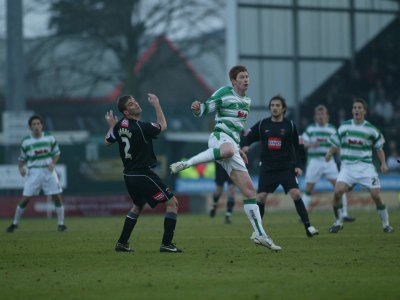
374,75
375,119
392,133
384,109
376,92
357,82
304,121
393,156
341,116
373,72
393,161
396,114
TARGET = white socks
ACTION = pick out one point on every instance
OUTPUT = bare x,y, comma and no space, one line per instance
306,200
384,215
253,214
60,214
202,157
339,220
18,213
344,205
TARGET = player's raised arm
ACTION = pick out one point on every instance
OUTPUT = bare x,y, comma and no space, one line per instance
155,102
111,121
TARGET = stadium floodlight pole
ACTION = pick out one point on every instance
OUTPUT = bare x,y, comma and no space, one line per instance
15,90
296,76
15,87
231,34
352,37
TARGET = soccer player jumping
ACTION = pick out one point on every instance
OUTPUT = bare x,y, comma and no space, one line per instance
231,106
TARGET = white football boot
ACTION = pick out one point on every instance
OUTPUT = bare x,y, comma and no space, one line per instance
178,166
266,241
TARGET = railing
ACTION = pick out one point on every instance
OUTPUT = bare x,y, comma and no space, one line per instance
193,186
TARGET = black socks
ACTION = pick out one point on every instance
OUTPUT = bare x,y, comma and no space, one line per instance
169,228
130,222
302,212
261,207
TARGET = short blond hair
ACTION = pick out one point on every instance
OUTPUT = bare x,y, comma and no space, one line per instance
320,107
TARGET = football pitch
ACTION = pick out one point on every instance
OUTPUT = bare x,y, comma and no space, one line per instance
219,262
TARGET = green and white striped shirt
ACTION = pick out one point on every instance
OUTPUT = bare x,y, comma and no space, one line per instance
231,111
357,142
316,133
38,152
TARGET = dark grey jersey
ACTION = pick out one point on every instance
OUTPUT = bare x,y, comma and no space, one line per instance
135,140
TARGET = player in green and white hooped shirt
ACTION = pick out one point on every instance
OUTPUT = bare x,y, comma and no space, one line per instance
356,139
231,107
39,155
316,142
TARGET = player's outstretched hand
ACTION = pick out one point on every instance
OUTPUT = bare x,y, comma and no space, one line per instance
153,99
111,119
195,107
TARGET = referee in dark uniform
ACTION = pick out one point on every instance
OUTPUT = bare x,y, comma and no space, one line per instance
135,140
279,162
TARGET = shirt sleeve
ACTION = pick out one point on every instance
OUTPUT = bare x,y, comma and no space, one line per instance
22,155
55,149
379,141
150,129
334,140
209,106
306,137
251,135
111,135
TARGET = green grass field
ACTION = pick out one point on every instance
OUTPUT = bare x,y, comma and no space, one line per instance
219,262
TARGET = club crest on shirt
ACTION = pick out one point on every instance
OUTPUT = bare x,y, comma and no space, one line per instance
125,123
242,114
283,131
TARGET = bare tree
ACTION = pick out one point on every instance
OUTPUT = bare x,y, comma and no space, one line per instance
105,38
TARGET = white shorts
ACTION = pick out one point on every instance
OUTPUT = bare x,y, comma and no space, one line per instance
359,173
236,161
318,168
38,179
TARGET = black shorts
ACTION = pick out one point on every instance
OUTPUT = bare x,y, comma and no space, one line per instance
221,176
146,187
269,181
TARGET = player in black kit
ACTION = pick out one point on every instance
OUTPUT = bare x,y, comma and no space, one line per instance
279,162
135,140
